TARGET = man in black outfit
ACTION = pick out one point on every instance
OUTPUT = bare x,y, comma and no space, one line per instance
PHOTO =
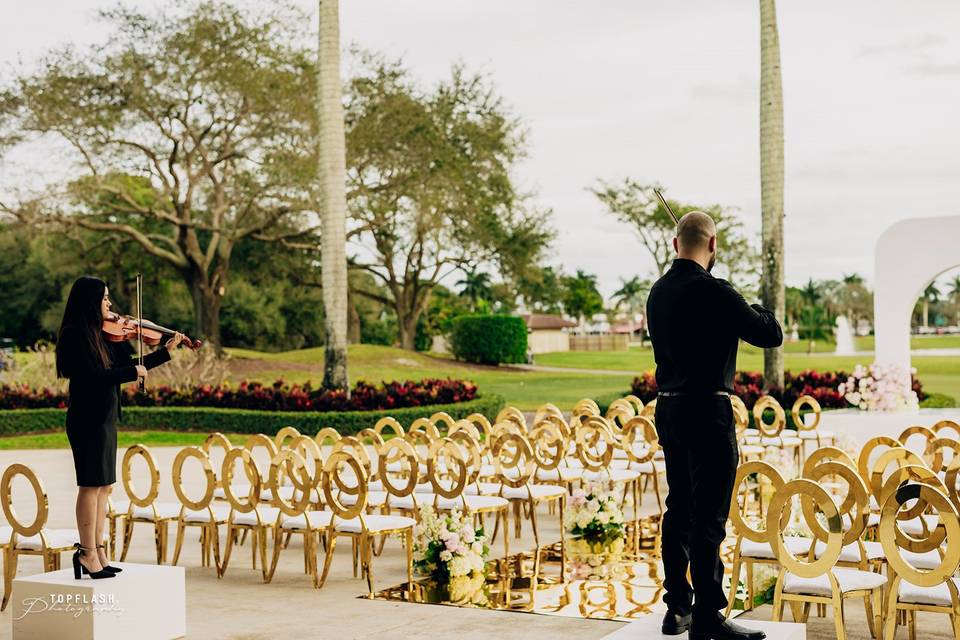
696,323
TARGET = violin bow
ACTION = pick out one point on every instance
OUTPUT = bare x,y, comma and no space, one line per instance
140,324
666,206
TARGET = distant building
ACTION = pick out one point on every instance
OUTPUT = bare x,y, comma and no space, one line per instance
547,332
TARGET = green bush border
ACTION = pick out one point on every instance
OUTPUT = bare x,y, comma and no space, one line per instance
209,419
489,339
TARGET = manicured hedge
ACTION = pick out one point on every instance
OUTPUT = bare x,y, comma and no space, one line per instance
489,339
207,419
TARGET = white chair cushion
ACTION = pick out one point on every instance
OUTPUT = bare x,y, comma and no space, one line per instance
239,490
5,532
750,449
539,491
611,475
812,434
164,511
403,467
560,474
647,468
751,433
851,552
375,523
56,538
915,527
408,503
374,499
483,488
848,580
220,514
786,442
474,503
763,551
938,596
318,520
268,516
287,493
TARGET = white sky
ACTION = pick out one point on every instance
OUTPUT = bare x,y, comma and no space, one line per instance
669,91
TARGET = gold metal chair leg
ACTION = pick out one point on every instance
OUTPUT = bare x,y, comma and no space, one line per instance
328,557
178,544
838,618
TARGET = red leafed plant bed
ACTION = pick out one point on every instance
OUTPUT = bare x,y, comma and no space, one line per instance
279,396
822,385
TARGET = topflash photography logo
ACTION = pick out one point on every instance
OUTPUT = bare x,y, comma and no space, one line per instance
75,604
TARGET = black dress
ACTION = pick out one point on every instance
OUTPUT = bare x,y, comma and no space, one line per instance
94,405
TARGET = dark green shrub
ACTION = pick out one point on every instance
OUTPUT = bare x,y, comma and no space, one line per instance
208,420
938,401
489,339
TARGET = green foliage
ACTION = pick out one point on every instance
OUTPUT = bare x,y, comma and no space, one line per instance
208,420
489,339
430,185
938,401
581,299
635,204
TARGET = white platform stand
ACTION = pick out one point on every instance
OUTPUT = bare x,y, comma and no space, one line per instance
144,602
648,628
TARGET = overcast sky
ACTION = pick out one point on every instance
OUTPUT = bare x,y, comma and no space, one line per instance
669,91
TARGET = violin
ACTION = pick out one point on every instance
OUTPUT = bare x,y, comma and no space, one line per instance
117,328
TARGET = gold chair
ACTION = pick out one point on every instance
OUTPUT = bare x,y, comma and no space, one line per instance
771,434
912,589
513,415
32,539
818,581
810,432
353,521
909,435
201,513
295,505
639,441
247,514
752,544
145,509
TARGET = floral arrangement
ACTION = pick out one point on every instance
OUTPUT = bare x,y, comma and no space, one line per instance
449,550
279,396
879,387
595,525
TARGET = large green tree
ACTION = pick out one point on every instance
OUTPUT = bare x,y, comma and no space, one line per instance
771,183
211,105
581,298
635,204
429,185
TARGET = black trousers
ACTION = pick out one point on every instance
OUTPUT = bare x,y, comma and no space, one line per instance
700,451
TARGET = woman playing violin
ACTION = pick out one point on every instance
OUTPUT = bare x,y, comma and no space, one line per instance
96,368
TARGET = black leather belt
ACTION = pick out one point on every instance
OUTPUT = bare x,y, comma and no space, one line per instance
674,394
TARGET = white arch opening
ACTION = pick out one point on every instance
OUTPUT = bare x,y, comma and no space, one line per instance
908,256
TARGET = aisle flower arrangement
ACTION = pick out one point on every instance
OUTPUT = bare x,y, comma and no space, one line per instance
453,553
879,387
594,524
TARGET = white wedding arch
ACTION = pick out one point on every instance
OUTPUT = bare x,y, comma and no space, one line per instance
909,255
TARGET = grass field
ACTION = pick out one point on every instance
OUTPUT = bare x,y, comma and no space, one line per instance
524,389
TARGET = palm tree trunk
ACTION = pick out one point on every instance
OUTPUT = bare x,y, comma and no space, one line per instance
771,182
332,172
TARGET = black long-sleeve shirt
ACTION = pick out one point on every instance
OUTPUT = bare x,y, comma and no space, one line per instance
696,323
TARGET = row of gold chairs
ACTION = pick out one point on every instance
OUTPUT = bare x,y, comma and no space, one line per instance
881,527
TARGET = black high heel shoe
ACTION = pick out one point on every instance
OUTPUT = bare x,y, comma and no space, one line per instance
108,567
79,569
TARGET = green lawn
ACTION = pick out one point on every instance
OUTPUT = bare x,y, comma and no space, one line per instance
58,440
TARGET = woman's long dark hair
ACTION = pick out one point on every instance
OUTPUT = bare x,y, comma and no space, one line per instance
83,322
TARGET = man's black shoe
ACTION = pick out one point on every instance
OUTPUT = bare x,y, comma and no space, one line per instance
718,628
674,623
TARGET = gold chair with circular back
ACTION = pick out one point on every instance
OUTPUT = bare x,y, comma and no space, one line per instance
34,538
933,588
344,474
809,431
772,433
299,517
144,508
247,514
202,512
818,579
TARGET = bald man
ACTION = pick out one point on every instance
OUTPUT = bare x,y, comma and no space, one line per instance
696,323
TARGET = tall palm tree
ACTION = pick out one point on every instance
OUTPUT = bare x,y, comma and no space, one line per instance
931,295
332,174
631,293
475,285
771,182
955,294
